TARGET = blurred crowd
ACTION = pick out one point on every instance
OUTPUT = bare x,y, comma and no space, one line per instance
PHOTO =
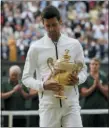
85,20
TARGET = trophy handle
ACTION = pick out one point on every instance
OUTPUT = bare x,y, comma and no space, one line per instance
80,66
50,64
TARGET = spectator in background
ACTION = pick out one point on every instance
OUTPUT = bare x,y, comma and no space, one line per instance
2,18
4,47
95,91
63,12
98,29
67,30
28,16
10,18
7,30
80,7
20,47
93,13
18,31
14,95
12,49
33,6
92,49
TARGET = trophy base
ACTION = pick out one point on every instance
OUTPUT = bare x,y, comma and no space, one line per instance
60,97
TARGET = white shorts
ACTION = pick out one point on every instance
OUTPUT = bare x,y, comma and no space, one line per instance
57,117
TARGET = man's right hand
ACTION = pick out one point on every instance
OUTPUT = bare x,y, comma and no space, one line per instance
52,85
96,80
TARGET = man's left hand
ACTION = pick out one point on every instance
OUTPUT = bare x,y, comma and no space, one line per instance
99,85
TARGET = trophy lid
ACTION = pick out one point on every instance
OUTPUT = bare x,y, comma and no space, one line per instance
65,64
66,57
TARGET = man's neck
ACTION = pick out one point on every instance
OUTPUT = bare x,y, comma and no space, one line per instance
55,40
14,82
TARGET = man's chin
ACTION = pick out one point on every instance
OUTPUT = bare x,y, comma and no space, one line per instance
53,38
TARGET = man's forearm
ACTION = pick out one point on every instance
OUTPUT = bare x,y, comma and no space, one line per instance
32,83
7,94
29,69
87,92
104,90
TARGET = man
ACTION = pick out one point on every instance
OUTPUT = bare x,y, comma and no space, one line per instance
95,91
54,112
14,95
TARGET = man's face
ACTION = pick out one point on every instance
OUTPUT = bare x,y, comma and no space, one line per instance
52,26
94,66
14,77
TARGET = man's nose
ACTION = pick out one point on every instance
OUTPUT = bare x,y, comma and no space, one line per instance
94,66
51,29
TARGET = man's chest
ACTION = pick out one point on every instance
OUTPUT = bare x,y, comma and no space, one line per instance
55,53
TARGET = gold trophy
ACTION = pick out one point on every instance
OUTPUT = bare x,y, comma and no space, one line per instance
61,69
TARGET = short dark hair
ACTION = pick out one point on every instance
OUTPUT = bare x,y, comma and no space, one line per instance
96,59
50,12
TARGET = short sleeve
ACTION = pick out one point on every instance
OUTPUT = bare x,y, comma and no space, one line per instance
24,87
84,85
3,87
105,80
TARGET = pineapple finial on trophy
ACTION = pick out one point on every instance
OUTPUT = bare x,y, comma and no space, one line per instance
66,56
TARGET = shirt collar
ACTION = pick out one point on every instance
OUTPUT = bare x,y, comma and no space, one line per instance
49,42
